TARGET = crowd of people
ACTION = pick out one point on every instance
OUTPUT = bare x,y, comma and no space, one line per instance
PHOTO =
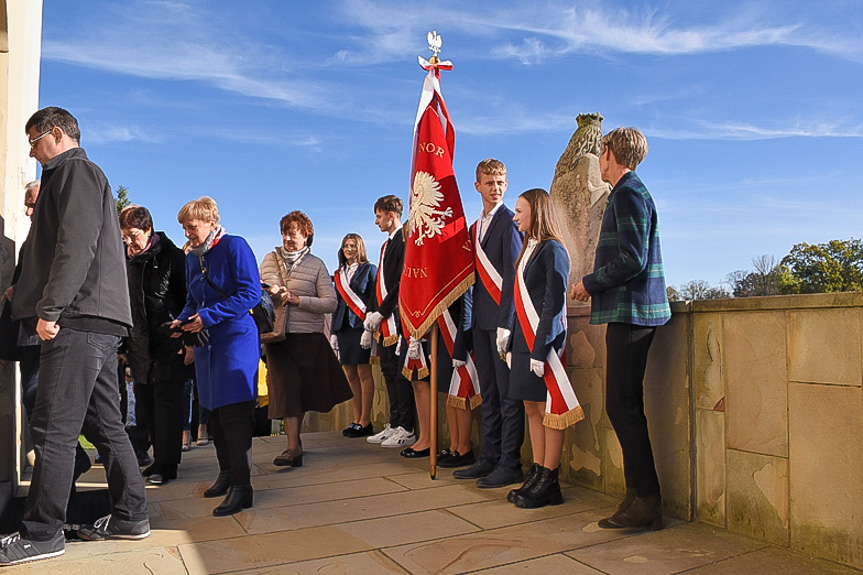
92,290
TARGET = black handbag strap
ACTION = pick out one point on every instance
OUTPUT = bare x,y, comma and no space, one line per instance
209,281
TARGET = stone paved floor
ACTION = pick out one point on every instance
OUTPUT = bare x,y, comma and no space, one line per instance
356,508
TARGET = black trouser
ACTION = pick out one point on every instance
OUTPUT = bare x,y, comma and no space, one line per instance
160,406
502,417
231,427
399,390
78,391
627,346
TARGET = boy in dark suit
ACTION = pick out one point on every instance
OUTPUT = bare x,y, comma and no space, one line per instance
497,244
383,320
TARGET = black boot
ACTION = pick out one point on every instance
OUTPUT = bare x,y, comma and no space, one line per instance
628,498
239,497
544,491
532,475
644,513
221,485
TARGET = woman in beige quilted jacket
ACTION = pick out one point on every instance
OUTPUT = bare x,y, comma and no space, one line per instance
305,374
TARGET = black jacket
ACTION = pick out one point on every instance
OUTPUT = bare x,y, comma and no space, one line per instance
72,261
157,292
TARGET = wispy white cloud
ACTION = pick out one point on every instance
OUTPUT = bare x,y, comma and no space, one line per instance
110,134
551,30
176,41
706,130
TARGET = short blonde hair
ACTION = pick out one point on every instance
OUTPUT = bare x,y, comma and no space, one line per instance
628,145
204,209
490,167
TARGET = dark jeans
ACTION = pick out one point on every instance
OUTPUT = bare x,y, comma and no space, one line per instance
399,390
627,346
78,391
502,417
29,365
160,405
231,427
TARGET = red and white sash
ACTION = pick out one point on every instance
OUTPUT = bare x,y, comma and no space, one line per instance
464,384
488,275
387,330
357,305
561,405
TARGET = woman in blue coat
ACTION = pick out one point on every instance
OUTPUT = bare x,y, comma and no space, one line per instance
223,285
537,374
355,287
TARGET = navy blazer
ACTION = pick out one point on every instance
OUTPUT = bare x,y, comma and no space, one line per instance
502,244
394,261
545,276
363,284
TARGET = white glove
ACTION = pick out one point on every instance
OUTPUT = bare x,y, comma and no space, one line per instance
373,321
334,342
414,349
537,367
502,340
509,360
366,340
457,363
399,346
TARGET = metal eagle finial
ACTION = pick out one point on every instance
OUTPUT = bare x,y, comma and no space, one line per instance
434,42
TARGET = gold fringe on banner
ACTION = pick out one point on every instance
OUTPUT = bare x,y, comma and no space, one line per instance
456,293
475,400
375,360
390,340
563,420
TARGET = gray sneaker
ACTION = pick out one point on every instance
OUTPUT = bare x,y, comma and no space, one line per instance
14,550
111,528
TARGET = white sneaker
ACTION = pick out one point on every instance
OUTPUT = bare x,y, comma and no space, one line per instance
381,436
400,438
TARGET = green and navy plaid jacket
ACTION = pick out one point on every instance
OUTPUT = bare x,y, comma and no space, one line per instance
627,284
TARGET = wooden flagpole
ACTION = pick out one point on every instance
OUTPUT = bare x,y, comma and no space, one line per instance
433,402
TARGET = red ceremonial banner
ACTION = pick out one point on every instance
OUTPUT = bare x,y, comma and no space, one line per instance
439,261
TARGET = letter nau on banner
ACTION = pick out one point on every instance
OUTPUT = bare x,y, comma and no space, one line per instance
439,260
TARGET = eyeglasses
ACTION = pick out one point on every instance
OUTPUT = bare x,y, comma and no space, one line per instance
39,137
131,237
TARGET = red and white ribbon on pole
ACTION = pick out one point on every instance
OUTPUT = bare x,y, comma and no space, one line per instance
561,406
464,384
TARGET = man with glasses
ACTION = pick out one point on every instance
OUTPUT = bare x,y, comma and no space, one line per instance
73,294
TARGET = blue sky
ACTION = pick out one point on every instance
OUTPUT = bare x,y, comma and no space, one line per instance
752,109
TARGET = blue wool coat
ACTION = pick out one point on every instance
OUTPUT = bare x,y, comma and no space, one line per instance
227,368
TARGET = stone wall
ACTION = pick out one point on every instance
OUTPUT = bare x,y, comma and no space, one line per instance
756,416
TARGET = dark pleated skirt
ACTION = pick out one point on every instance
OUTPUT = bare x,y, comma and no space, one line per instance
350,350
523,383
305,375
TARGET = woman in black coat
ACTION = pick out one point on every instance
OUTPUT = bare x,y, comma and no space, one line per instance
157,293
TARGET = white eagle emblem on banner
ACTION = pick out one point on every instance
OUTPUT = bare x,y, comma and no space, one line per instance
425,217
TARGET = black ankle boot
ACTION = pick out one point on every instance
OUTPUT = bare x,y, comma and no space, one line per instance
644,513
532,475
544,491
628,498
237,499
221,485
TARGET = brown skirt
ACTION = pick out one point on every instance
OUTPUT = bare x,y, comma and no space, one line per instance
304,375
